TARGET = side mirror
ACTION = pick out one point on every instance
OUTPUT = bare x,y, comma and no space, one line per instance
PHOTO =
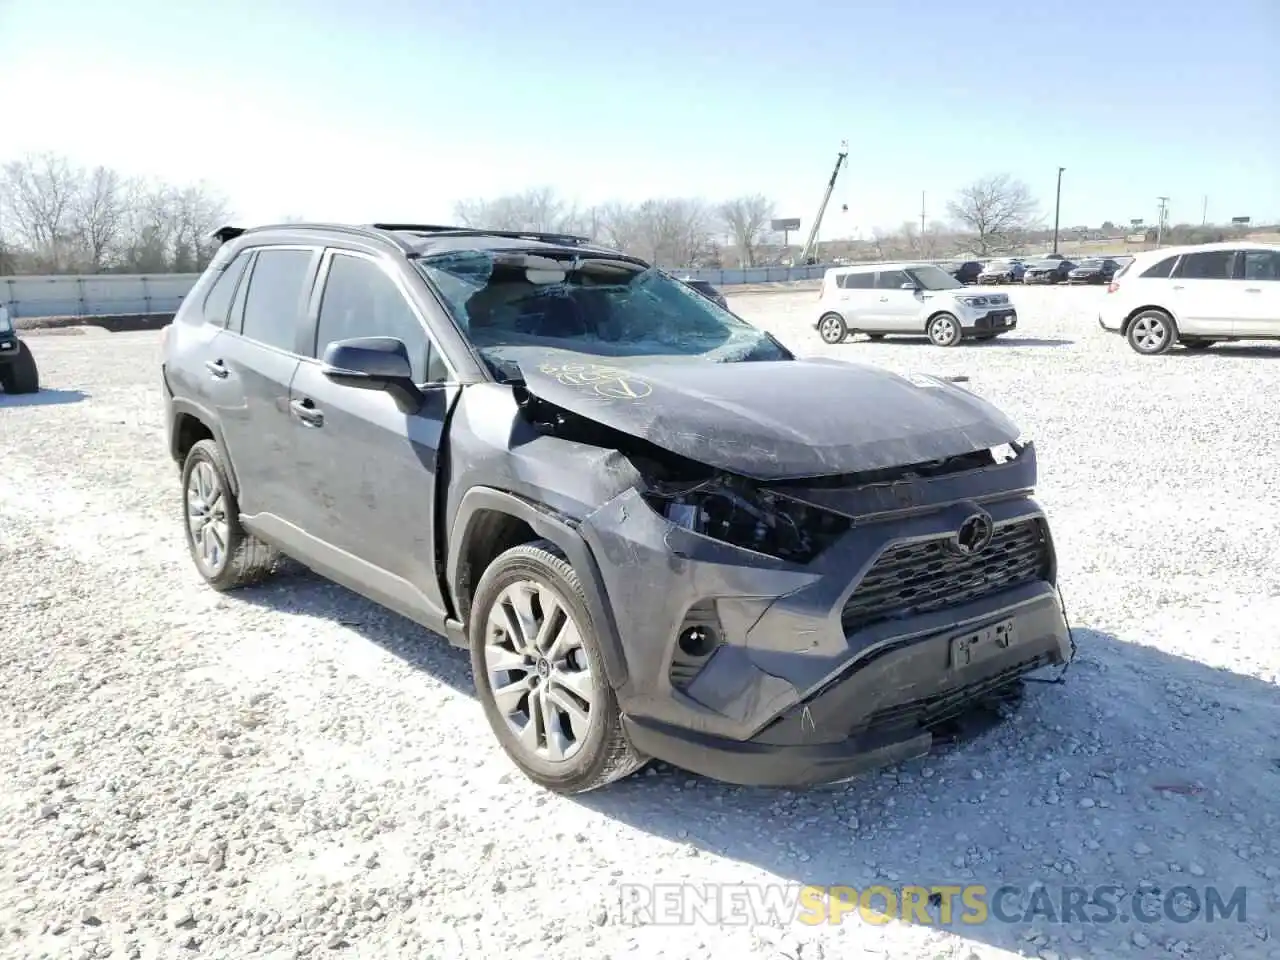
371,363
910,286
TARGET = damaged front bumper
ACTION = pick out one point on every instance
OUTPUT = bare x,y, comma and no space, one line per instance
756,670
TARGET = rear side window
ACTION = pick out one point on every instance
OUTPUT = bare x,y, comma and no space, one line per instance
1161,270
891,280
857,281
274,301
217,305
360,300
1210,265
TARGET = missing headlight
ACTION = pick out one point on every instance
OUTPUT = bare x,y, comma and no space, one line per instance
733,511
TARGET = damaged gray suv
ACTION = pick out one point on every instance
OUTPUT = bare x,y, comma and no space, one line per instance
659,533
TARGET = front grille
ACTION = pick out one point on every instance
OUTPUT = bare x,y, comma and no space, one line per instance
920,577
949,704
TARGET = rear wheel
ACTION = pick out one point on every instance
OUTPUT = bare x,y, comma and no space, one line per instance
1152,332
540,675
944,330
832,328
226,554
20,375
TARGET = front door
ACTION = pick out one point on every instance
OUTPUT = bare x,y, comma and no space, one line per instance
367,467
897,303
1260,294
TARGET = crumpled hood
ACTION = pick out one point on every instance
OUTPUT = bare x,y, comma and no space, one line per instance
783,420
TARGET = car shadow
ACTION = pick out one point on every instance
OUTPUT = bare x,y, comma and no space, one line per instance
45,398
999,787
1000,341
1231,350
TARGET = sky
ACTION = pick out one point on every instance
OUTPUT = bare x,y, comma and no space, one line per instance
364,110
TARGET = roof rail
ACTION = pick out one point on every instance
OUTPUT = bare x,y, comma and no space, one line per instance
563,238
224,234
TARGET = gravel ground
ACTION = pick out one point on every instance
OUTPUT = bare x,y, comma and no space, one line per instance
292,770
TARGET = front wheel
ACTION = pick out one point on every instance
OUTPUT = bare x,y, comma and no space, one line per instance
944,330
20,375
832,328
1152,332
540,675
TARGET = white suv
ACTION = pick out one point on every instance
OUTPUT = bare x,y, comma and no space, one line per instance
1195,296
909,298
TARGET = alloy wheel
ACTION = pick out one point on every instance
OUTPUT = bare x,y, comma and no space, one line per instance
538,671
207,518
1150,332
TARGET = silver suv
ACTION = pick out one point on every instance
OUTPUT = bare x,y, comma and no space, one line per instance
909,298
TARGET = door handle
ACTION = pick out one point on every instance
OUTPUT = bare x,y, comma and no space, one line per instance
1252,289
1178,286
305,410
884,299
217,368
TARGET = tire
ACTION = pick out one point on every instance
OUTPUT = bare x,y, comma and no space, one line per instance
594,751
832,328
243,559
20,375
1152,332
1197,344
944,330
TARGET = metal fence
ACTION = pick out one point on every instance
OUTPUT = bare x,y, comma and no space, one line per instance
114,295
99,295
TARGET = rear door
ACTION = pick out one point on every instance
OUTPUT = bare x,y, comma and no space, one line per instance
368,467
896,310
251,365
1259,273
1204,296
857,299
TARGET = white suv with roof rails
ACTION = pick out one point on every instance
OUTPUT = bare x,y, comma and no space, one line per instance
1196,296
909,298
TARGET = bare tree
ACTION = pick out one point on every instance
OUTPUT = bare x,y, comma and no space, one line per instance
100,210
996,208
539,210
38,194
746,220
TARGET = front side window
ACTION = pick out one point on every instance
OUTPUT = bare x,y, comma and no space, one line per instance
274,301
892,279
1208,265
217,304
516,307
1262,265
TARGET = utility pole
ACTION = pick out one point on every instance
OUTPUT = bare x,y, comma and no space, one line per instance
1204,212
922,214
1160,219
1057,207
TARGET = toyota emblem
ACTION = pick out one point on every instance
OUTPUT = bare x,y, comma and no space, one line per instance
974,535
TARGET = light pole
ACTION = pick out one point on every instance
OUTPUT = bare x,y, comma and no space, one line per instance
1164,207
1057,207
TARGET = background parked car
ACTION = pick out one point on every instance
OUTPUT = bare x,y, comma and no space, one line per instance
1093,271
1003,271
1048,271
966,271
707,290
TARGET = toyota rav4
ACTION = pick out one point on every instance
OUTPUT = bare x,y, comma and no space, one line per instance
658,532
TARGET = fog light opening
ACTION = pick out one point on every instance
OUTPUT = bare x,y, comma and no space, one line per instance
697,641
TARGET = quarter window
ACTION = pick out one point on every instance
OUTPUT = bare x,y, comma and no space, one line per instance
360,300
1262,265
1208,265
1161,270
274,300
218,302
